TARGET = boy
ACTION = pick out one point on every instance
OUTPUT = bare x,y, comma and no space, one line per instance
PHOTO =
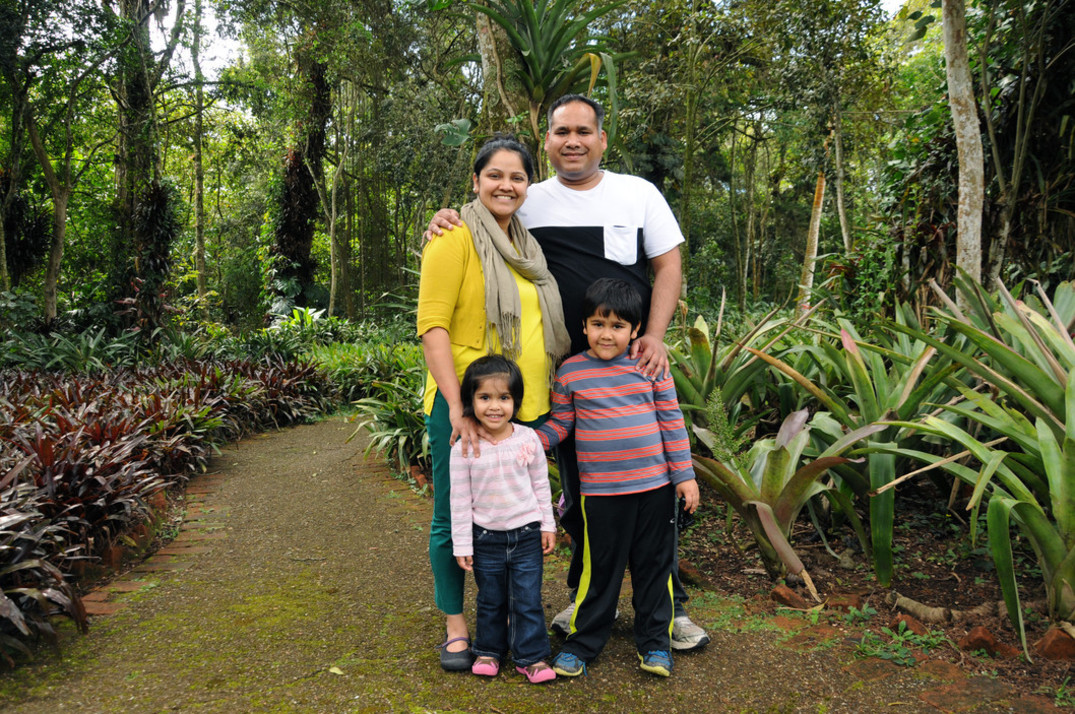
634,459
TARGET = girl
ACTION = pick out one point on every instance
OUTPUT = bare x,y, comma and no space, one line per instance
502,522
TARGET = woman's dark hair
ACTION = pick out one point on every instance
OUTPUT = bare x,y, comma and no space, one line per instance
607,295
490,366
510,143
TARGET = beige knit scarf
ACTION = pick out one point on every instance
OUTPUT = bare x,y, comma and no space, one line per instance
502,306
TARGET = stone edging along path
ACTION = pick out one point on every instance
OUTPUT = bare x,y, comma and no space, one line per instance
299,582
201,523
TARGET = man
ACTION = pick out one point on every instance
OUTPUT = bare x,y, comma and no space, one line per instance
592,224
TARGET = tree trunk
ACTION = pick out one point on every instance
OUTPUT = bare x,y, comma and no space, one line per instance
331,204
750,175
138,168
136,164
5,278
838,179
61,190
968,141
298,200
60,200
502,97
740,252
199,171
806,281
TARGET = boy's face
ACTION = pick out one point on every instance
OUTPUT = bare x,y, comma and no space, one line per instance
608,335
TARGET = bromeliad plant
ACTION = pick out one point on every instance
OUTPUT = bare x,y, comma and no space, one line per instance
702,365
1024,351
860,383
771,485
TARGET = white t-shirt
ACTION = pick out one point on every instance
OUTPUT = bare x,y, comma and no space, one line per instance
610,230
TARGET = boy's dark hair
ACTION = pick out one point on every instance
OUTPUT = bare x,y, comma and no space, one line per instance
598,110
607,295
485,367
509,143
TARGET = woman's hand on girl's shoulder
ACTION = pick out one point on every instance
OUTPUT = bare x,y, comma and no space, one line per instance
468,431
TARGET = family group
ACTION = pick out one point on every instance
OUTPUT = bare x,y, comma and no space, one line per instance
542,332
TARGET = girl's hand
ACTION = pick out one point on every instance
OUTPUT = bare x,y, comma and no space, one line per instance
548,542
466,562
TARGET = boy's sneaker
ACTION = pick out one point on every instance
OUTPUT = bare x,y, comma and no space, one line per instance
657,662
686,635
568,665
561,624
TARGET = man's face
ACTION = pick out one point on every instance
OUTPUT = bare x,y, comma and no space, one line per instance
574,144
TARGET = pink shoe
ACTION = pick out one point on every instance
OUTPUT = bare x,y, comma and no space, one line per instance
537,673
485,667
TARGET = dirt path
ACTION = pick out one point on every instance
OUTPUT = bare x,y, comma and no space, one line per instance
300,583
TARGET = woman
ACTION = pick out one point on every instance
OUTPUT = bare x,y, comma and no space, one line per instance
485,289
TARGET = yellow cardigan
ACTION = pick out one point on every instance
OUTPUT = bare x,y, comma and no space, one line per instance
451,295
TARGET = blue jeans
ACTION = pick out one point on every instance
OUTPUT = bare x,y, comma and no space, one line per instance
508,567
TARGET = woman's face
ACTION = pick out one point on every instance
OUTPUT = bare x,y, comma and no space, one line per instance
501,185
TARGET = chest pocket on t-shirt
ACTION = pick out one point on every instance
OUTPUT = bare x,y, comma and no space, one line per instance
621,244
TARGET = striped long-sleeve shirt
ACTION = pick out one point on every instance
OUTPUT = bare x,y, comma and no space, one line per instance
629,431
504,488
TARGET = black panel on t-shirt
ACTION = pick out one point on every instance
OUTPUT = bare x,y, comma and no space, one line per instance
576,258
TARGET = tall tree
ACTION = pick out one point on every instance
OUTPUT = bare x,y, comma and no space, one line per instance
64,73
828,61
199,169
138,170
1031,33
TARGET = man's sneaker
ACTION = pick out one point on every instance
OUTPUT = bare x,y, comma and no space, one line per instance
657,662
568,665
561,624
686,635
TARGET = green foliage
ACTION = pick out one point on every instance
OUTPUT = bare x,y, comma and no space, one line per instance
855,615
556,52
155,225
866,279
89,351
393,413
1063,695
899,645
702,368
1024,351
859,384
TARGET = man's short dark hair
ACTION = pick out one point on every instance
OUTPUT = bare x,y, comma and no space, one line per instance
598,110
607,295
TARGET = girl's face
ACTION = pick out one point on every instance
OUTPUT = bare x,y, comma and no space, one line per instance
501,185
494,406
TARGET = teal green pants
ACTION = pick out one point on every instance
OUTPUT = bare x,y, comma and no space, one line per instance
448,577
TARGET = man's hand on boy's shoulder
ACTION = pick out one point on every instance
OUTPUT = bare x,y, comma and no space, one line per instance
445,219
652,356
688,491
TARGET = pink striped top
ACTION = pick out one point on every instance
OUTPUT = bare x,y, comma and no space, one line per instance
504,488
